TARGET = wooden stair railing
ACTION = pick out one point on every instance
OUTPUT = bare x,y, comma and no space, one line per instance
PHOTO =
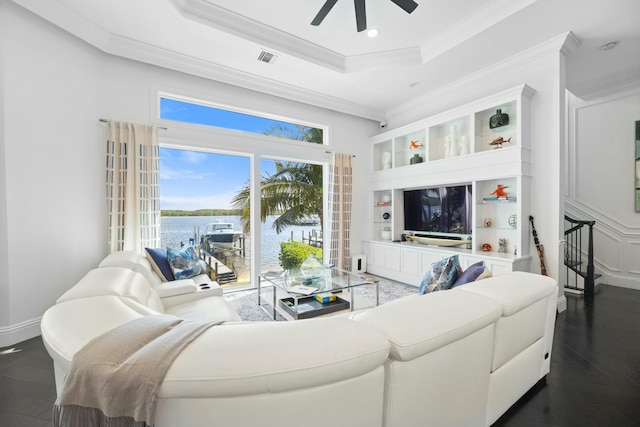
573,257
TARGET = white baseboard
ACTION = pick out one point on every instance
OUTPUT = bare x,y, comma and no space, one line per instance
562,303
14,334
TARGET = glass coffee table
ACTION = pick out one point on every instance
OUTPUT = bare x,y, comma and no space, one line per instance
304,298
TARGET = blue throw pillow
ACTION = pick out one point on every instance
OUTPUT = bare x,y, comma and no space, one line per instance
470,274
441,275
184,262
160,263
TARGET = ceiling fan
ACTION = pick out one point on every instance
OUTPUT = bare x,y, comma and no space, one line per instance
361,16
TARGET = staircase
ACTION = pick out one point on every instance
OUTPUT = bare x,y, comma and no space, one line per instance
578,257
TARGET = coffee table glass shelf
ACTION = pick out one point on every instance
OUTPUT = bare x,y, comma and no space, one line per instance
301,298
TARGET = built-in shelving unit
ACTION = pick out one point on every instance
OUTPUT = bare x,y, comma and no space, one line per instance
460,146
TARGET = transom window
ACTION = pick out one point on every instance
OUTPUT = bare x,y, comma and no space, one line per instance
208,115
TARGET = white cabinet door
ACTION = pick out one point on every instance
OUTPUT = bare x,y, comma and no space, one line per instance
392,258
378,258
410,261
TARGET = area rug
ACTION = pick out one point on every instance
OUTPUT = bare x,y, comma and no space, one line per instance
246,302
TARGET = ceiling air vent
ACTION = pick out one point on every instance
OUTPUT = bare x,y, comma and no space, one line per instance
267,57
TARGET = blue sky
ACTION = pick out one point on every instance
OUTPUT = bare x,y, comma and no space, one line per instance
191,180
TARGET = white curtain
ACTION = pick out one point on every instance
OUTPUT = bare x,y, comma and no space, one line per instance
340,195
133,186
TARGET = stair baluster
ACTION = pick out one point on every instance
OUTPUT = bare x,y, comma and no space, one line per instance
573,258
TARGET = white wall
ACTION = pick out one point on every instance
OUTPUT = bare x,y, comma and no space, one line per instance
601,181
55,88
51,169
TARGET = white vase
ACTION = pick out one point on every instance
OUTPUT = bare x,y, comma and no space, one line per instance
464,145
386,234
386,160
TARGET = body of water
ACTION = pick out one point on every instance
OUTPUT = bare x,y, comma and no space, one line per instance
177,230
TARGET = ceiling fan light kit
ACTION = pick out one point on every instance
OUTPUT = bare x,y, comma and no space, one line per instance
361,13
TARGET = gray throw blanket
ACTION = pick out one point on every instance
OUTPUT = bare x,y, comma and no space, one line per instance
114,379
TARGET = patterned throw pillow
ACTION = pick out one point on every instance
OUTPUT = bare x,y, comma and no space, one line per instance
441,275
184,262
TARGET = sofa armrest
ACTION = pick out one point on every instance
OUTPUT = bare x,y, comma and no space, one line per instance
176,287
203,291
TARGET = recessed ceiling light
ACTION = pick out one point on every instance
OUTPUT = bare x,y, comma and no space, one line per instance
414,84
372,33
609,46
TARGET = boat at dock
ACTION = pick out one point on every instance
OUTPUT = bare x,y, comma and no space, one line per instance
311,220
221,235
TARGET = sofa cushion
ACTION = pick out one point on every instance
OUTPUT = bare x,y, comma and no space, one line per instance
184,263
515,291
438,319
441,275
134,261
257,358
118,281
159,261
470,274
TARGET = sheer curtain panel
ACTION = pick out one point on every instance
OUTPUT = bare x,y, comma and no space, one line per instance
133,186
340,194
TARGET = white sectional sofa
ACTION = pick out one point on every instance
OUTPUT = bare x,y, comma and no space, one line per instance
451,358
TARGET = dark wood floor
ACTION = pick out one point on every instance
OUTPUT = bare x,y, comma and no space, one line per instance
594,379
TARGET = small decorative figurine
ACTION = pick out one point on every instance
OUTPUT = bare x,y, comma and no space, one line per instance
486,247
500,193
487,222
499,141
415,144
417,158
513,221
502,245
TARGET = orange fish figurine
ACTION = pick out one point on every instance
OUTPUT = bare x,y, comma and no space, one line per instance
415,144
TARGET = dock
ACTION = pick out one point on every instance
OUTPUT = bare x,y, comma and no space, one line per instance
314,238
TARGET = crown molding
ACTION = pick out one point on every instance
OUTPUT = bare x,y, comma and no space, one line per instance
622,87
525,57
125,47
225,20
470,26
248,29
151,54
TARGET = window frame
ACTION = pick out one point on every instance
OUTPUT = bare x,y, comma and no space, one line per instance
256,146
238,110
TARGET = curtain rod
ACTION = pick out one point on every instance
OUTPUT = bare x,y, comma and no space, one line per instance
331,152
105,121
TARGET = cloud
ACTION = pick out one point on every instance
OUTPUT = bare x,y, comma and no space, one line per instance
192,156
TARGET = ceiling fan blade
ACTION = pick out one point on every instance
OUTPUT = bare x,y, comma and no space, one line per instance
361,15
407,5
323,12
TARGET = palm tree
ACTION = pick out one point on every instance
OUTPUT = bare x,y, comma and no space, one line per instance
293,192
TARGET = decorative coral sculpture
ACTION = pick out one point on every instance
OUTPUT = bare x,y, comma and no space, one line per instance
500,193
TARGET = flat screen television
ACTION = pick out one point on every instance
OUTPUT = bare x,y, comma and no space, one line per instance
438,211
